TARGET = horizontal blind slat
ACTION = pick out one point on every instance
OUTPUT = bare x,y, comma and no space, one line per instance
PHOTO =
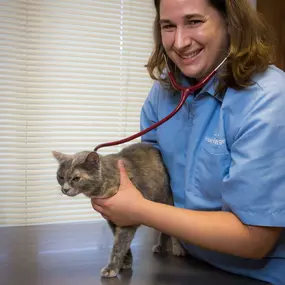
73,76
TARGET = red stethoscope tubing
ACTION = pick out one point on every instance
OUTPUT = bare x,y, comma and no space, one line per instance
185,92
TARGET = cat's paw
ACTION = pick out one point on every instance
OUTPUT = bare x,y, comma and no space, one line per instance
178,249
107,272
157,248
127,265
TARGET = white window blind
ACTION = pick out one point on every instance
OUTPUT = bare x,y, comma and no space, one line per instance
72,77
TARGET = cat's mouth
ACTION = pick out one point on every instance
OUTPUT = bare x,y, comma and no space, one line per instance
70,192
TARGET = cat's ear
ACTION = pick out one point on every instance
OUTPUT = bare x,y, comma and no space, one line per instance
60,157
92,160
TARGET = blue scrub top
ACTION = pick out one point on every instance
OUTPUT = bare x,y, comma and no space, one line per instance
227,154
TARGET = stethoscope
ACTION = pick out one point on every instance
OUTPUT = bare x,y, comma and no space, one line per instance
185,92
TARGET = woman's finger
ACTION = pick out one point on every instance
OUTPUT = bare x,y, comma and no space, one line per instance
105,217
99,201
96,207
123,173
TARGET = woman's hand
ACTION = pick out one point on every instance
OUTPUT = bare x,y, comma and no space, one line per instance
124,207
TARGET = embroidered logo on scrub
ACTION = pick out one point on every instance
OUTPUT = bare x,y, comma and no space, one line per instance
216,140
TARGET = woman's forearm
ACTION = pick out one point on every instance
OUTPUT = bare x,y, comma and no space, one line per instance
219,231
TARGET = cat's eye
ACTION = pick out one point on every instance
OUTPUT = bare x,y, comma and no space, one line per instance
75,178
59,177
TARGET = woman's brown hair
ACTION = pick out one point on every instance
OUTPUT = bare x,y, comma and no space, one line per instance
251,45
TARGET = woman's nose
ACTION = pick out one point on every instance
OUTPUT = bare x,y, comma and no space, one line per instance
182,39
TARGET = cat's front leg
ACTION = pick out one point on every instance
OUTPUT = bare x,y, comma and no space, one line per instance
121,249
177,247
161,245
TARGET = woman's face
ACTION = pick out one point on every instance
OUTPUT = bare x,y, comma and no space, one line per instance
194,36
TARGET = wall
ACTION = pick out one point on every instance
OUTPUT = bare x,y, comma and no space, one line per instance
274,13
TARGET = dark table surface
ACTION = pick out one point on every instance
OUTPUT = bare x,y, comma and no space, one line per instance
74,253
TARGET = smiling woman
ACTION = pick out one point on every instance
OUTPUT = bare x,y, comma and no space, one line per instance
226,172
193,36
250,41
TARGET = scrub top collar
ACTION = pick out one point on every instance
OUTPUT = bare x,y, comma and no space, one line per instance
209,88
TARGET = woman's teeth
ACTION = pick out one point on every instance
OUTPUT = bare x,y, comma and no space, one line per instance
190,55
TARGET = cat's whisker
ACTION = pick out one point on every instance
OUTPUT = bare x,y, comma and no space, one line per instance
59,193
55,189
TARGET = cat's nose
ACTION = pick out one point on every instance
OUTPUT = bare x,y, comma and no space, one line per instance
64,191
65,188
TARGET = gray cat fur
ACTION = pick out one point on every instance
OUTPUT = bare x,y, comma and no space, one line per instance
95,175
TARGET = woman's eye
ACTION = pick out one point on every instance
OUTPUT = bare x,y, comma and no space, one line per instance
76,179
194,22
167,27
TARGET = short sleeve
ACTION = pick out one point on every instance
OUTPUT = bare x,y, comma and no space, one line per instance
149,115
254,188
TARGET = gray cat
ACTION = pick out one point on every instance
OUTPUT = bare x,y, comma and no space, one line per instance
95,175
